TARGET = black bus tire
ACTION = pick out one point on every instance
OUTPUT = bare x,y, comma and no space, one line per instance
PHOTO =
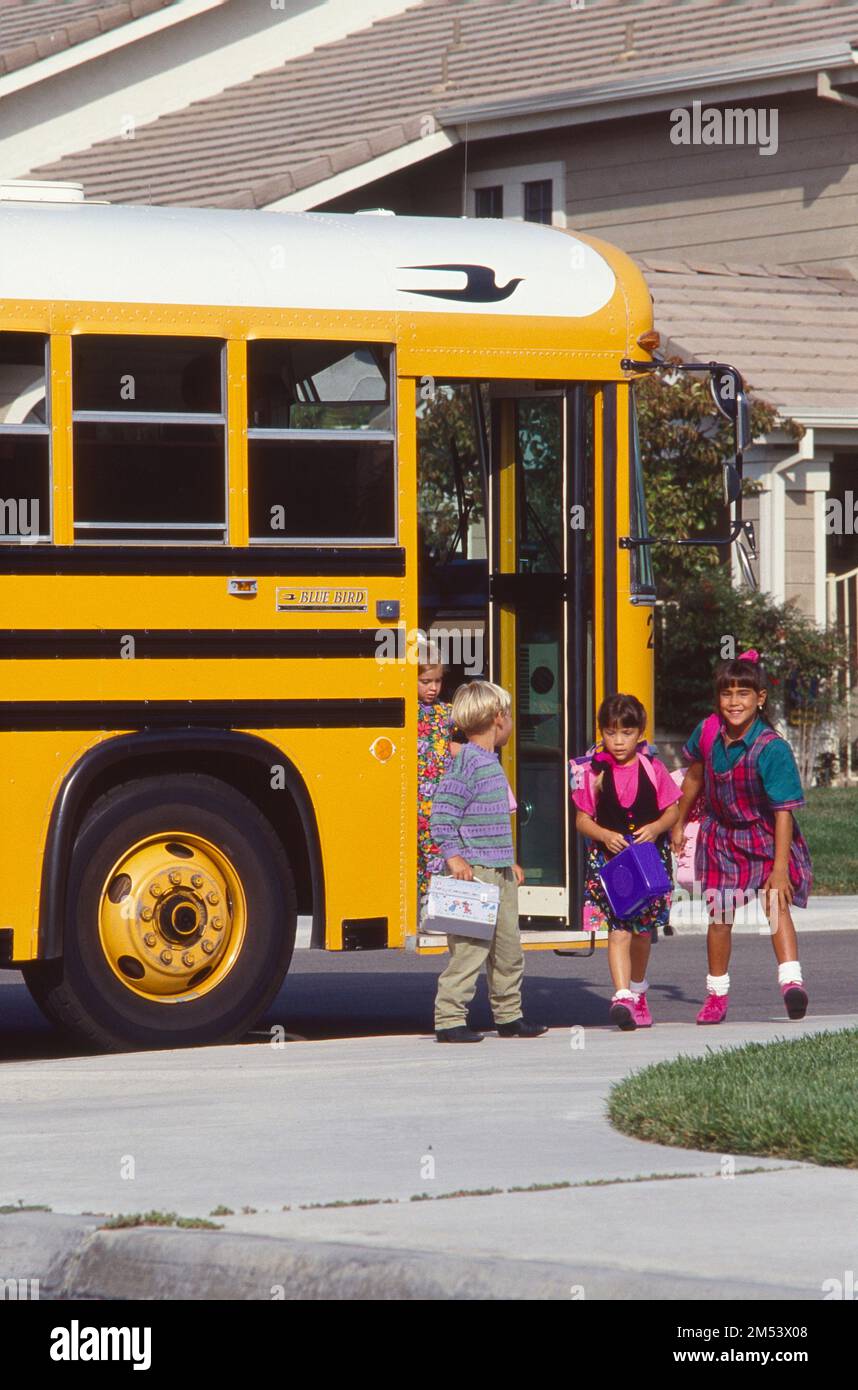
83,994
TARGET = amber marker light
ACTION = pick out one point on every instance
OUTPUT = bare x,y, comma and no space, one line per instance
383,749
650,340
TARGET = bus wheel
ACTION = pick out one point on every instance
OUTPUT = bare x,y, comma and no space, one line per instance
180,922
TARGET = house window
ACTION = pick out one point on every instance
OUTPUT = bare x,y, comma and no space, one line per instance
25,438
320,442
538,201
149,439
525,193
489,201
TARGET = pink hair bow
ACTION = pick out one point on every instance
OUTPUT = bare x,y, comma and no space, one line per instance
750,655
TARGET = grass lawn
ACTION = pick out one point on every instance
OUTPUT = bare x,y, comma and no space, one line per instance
795,1099
830,825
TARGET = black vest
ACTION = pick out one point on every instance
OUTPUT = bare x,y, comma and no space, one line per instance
643,810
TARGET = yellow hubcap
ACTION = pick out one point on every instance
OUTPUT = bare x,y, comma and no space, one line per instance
172,917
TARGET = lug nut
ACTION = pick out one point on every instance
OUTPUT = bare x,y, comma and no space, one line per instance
167,957
208,947
147,914
197,880
217,924
150,939
175,876
156,890
187,958
213,899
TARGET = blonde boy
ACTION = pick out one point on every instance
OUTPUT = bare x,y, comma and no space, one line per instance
472,827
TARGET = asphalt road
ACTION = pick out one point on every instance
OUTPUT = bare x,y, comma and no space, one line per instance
365,994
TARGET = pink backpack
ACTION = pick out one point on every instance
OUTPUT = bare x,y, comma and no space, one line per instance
685,861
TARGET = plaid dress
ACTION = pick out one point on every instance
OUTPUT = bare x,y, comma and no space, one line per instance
736,843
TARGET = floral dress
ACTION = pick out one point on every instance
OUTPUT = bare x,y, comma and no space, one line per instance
434,733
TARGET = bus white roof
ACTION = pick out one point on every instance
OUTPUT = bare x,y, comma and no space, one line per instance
304,260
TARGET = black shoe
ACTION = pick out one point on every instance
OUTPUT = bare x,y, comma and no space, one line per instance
461,1034
519,1029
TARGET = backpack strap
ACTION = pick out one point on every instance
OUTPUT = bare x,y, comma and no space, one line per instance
708,734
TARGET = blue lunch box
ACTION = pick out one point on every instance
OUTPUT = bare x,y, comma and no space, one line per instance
634,877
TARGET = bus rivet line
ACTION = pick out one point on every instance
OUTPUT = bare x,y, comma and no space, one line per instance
150,939
196,880
175,876
187,958
208,947
213,899
167,957
156,890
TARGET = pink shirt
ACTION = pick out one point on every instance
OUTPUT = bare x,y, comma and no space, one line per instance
626,783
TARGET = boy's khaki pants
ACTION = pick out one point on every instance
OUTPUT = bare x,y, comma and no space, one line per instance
502,957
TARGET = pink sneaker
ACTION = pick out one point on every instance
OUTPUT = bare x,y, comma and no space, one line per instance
714,1009
643,1017
795,999
623,1013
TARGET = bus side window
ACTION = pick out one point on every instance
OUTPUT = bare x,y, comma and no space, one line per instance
149,439
25,469
321,455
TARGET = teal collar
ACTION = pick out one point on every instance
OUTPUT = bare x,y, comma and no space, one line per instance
749,736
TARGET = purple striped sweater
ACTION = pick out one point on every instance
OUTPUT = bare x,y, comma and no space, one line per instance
470,810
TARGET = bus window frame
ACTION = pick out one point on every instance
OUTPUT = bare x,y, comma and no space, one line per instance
155,417
390,436
44,537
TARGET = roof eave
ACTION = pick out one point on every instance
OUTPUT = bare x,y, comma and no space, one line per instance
790,70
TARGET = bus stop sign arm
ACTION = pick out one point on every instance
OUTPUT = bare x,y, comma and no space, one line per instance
728,393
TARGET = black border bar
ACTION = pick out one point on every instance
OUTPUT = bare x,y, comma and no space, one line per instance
55,716
191,560
37,644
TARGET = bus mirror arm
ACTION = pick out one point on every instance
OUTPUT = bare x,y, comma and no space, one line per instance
728,394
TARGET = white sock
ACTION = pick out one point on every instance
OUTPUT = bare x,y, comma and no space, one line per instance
623,994
639,988
718,984
789,973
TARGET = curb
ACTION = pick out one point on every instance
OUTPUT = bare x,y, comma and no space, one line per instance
74,1260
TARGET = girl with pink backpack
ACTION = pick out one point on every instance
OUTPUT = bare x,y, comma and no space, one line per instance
623,796
748,842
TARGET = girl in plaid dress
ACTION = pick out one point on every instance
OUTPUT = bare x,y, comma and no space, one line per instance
748,842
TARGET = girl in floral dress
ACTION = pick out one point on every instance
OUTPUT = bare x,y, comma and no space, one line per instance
435,754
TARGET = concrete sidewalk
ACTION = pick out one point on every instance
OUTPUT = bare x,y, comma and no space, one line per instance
385,1121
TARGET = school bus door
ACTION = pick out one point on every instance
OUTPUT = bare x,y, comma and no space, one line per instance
541,630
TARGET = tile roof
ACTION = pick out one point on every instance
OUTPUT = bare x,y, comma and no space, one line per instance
345,102
34,29
792,332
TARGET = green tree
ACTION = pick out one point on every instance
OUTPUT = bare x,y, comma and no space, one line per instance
685,444
715,618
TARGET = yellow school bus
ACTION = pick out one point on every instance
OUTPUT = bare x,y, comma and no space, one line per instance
244,458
